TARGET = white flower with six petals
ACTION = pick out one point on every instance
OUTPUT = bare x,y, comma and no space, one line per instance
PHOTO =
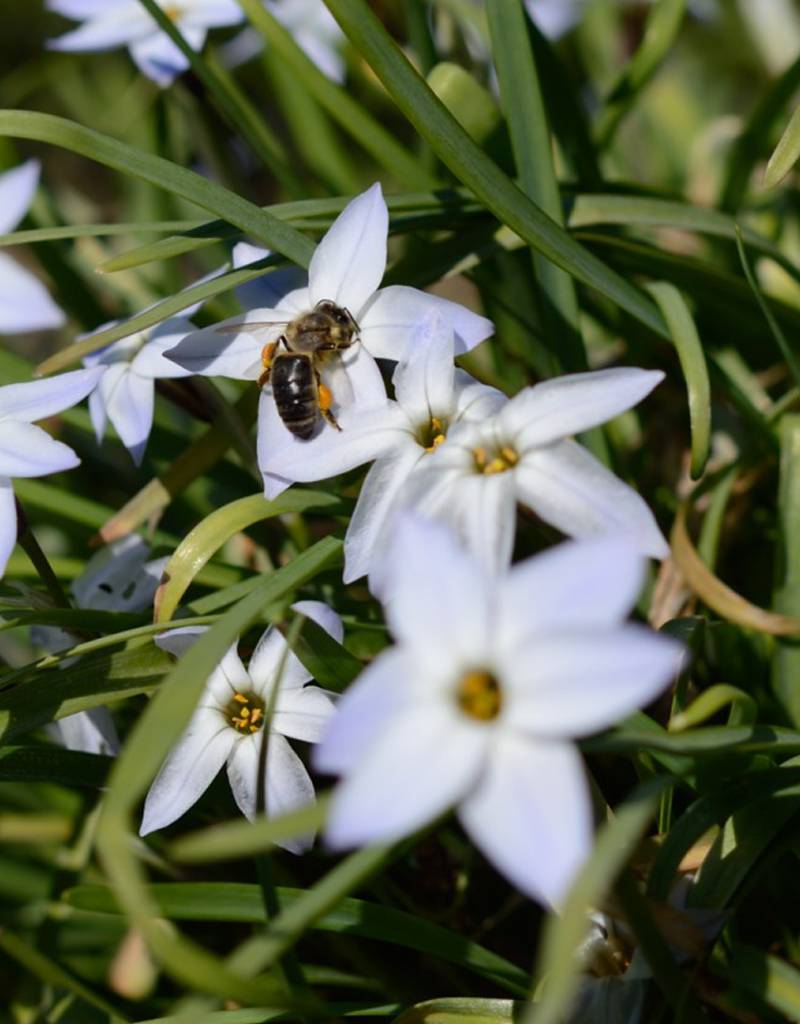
476,705
227,727
525,454
27,450
347,269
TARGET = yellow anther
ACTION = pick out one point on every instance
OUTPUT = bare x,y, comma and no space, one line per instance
505,458
479,695
240,697
246,712
257,714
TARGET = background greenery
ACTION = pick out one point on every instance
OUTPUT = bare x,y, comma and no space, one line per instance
664,121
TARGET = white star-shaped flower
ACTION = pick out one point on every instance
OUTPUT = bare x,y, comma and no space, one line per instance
25,303
476,706
524,454
108,24
346,269
121,578
125,393
27,450
227,727
432,396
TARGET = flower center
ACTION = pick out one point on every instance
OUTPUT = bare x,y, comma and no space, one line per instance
499,460
432,434
245,712
172,10
479,695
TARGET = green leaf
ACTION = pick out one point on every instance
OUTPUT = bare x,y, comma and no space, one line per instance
530,136
695,372
215,530
229,901
239,212
477,171
451,1011
786,599
770,979
786,152
41,763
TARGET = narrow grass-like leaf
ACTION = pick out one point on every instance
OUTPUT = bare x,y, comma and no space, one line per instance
477,171
563,933
230,100
662,27
472,1010
713,700
229,901
774,326
708,742
42,763
70,231
352,116
693,363
718,595
771,980
530,136
215,530
786,599
786,152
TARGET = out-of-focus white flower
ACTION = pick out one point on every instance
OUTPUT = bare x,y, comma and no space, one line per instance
25,303
228,727
432,396
120,578
29,451
476,705
108,24
555,17
346,269
524,454
125,393
313,27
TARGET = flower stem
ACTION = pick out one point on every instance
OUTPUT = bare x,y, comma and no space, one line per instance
38,558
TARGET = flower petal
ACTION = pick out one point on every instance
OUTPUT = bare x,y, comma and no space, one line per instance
129,402
92,732
530,815
8,522
17,189
213,353
269,652
28,451
119,26
567,405
288,785
578,584
368,531
325,55
303,714
388,321
366,708
425,762
348,264
25,303
473,400
423,386
229,676
571,490
160,59
323,615
189,770
574,683
487,517
211,14
119,577
37,399
151,361
271,289
435,595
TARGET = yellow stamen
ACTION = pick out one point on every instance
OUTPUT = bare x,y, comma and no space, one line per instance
502,460
479,695
240,697
246,712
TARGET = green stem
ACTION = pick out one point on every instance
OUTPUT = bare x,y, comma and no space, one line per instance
38,558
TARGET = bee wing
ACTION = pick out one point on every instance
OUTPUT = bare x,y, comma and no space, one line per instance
243,328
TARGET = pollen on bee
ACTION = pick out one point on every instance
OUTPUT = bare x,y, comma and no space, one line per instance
267,354
325,397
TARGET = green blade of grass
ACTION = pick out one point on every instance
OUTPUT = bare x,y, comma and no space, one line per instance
695,372
530,137
477,171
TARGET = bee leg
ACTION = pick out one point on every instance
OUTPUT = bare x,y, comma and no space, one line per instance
267,355
325,400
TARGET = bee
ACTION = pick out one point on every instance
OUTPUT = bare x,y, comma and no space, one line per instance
292,364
